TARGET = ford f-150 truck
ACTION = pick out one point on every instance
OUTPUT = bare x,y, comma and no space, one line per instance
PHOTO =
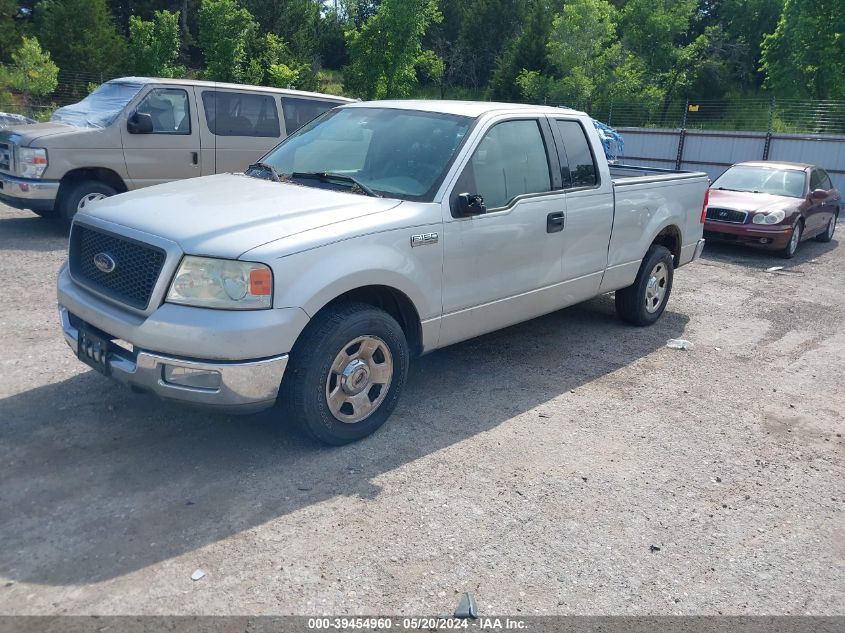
378,232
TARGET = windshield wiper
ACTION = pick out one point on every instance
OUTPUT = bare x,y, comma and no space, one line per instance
327,176
267,169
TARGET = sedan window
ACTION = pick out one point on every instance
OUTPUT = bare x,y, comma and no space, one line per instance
778,182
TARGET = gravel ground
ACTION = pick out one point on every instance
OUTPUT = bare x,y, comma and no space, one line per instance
540,467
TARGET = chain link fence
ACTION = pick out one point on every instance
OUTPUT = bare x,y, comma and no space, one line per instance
747,114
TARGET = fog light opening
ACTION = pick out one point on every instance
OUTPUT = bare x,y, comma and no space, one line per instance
190,377
764,240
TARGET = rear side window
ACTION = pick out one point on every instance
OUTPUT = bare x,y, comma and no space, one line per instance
168,108
299,111
509,161
825,180
815,180
577,165
240,114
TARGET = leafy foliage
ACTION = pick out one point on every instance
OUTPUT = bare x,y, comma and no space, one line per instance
225,31
32,71
154,45
805,56
384,50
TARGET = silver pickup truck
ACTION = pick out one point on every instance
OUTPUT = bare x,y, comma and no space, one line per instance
378,232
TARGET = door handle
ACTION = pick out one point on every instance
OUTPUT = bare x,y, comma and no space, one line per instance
555,222
195,158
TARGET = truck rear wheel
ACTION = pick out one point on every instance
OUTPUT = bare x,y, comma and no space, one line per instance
643,302
346,373
81,194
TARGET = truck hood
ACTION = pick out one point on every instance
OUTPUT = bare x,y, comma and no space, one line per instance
750,201
229,214
28,135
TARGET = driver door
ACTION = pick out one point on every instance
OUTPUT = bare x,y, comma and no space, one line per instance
505,265
172,150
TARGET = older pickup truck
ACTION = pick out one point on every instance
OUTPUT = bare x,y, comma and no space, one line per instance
378,232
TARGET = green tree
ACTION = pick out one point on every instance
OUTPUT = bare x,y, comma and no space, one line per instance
9,35
384,50
225,32
272,64
582,48
297,22
32,72
81,37
154,45
805,56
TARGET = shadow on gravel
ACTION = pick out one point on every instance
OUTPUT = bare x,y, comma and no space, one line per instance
26,231
98,482
755,258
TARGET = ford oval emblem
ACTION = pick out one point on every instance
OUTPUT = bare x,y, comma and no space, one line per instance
104,262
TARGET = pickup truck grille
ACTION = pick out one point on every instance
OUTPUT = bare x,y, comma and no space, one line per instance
727,215
136,265
5,157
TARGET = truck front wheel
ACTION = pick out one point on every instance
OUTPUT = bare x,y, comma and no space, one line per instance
345,373
81,194
643,302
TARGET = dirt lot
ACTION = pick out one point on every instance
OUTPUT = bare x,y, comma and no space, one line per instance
535,467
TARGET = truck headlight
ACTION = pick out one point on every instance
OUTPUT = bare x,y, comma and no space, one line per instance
769,217
226,284
32,161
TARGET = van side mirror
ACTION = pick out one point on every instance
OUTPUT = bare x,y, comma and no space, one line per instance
469,204
818,194
139,123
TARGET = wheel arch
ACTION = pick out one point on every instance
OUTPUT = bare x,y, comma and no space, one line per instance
670,237
100,174
393,301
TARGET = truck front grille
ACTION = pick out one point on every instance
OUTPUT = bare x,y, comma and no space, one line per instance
5,156
136,266
727,215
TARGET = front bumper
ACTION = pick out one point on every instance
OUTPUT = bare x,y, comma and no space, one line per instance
26,193
775,236
244,386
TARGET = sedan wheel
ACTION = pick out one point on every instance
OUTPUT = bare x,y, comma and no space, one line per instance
794,241
829,231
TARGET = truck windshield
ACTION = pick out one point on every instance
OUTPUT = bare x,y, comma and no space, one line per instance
99,108
778,182
392,152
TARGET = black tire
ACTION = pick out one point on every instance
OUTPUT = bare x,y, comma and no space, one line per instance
632,303
829,230
45,213
792,246
68,202
304,395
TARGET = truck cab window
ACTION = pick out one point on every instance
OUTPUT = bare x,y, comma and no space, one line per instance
510,161
577,165
169,110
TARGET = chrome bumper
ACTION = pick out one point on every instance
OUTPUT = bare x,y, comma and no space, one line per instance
244,387
26,192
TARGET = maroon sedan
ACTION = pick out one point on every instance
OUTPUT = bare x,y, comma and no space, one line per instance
772,205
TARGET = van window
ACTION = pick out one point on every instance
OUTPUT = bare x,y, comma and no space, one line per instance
299,111
509,161
240,114
169,110
577,166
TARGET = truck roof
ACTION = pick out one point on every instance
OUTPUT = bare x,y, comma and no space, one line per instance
227,86
462,108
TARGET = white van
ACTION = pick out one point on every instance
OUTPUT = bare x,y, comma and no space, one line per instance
134,132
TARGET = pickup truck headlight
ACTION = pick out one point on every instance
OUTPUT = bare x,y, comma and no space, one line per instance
770,217
226,284
32,161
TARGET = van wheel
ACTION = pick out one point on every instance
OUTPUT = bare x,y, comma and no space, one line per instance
346,373
643,302
81,194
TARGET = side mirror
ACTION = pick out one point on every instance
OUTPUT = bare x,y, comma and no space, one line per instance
470,204
818,194
140,123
